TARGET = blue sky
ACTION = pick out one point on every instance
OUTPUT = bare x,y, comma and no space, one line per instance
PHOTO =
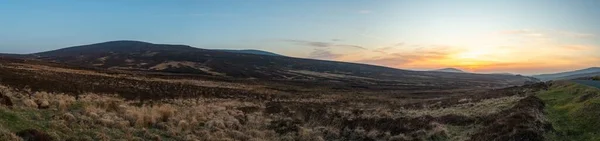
421,34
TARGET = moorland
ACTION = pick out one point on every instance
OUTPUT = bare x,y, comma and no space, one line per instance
127,90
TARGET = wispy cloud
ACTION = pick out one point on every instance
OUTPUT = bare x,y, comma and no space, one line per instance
421,56
310,43
517,51
323,54
544,33
579,47
523,32
350,46
528,57
577,35
386,49
383,49
323,44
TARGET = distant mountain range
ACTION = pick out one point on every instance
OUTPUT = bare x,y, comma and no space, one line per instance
454,70
589,72
255,64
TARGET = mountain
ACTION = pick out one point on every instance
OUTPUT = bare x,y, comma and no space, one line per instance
454,70
589,72
334,99
579,76
161,58
251,51
115,47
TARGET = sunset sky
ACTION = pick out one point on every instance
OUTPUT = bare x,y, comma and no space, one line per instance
514,36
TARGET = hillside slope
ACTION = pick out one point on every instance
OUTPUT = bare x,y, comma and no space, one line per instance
573,110
141,56
589,72
54,101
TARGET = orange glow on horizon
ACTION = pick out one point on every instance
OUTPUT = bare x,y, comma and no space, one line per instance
489,54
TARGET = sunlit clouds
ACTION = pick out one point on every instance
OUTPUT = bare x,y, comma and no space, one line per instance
512,51
483,36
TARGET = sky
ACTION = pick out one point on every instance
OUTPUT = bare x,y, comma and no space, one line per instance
504,36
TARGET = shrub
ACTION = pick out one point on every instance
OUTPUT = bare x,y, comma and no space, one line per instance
164,111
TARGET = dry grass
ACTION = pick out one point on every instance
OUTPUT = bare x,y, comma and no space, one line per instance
179,64
7,135
179,119
204,83
98,116
327,75
470,109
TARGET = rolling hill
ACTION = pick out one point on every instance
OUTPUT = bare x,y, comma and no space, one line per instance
142,56
589,72
174,91
55,101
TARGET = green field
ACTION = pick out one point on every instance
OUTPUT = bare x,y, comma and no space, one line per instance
574,111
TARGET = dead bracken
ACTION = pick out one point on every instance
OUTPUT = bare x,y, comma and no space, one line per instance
54,102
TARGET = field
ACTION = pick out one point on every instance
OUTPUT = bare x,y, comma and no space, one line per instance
53,101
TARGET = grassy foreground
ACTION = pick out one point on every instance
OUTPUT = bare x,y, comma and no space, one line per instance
573,110
28,115
44,102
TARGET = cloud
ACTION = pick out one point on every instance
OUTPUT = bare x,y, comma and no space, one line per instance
350,46
399,44
310,43
323,54
385,50
515,32
420,57
544,33
323,44
578,47
318,44
577,35
523,32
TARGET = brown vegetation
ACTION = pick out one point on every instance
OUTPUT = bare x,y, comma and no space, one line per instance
64,103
